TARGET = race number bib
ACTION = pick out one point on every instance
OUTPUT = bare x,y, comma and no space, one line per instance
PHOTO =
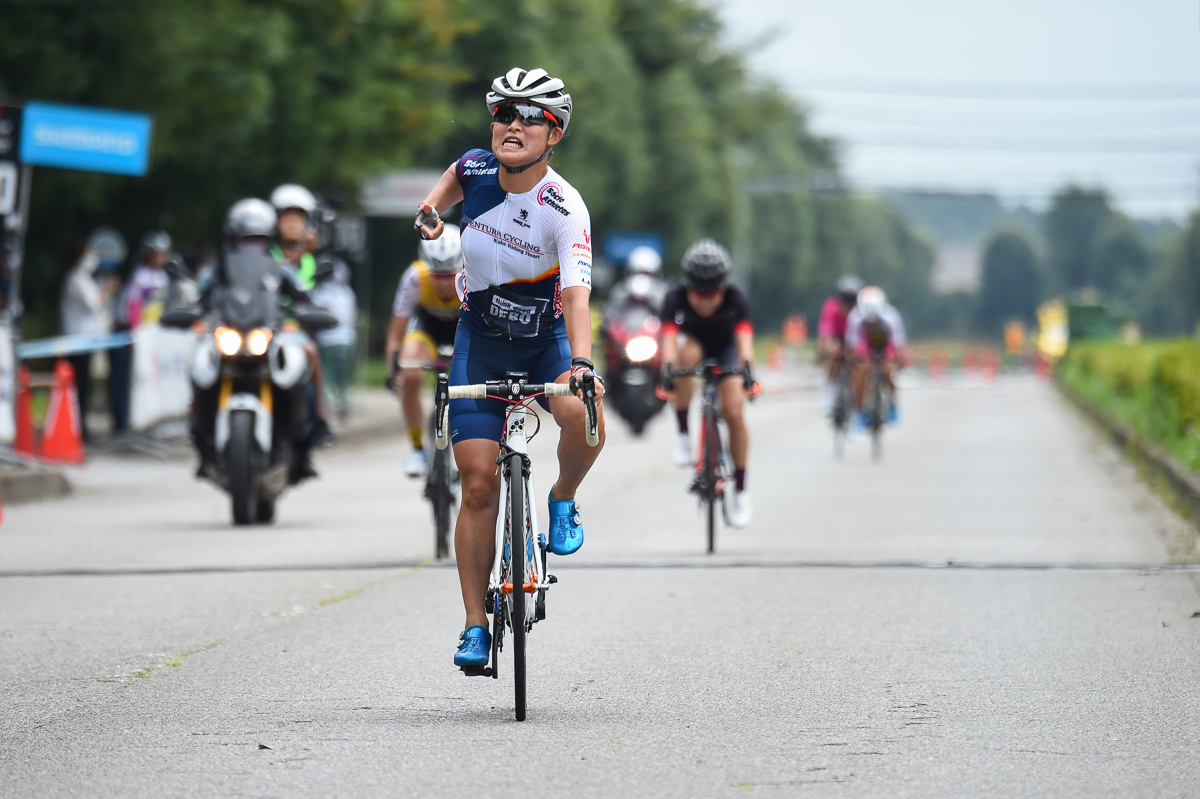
513,314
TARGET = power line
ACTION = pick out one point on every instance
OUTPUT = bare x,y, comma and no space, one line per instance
997,91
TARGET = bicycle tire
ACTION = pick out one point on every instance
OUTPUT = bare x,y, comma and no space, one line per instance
876,416
712,456
441,500
517,534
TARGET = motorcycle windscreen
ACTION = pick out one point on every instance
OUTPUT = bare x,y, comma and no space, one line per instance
251,292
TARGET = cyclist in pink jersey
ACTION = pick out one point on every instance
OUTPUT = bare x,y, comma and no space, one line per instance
831,333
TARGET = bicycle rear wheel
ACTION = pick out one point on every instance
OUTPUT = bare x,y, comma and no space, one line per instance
517,599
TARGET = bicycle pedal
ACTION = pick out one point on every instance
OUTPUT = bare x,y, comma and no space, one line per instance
550,578
476,671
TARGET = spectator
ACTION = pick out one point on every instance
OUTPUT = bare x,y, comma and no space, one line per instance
146,294
333,292
85,313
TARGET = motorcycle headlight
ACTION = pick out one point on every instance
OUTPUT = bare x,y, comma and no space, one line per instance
641,348
258,340
229,341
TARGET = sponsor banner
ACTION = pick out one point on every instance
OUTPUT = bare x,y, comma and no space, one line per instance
89,139
162,385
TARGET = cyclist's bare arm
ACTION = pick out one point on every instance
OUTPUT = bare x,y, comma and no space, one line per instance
395,338
670,350
446,194
744,339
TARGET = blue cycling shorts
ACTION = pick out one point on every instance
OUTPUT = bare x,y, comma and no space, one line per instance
480,357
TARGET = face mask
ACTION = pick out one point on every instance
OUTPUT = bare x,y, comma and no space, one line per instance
90,262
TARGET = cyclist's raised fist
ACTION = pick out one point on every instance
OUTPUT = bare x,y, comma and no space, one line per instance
427,223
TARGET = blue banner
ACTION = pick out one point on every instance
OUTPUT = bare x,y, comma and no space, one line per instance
618,244
88,139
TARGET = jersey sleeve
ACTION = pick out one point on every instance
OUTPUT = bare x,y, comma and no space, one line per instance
853,323
574,239
407,294
896,323
464,168
670,308
740,305
827,323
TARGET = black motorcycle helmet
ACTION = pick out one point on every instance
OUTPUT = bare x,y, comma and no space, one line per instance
706,266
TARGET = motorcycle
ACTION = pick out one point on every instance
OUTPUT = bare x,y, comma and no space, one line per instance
251,382
634,365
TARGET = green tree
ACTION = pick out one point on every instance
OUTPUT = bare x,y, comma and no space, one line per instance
1074,225
245,95
1011,281
1121,257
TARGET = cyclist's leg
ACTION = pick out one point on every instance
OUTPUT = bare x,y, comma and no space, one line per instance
733,405
575,457
474,427
690,354
418,347
475,532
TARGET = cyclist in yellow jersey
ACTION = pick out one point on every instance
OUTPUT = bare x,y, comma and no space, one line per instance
424,318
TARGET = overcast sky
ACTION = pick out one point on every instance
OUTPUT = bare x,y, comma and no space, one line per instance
1015,97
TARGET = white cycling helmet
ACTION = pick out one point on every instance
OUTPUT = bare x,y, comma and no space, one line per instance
534,87
644,261
293,195
870,303
250,217
444,254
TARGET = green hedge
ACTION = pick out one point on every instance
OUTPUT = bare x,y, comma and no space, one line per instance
1152,387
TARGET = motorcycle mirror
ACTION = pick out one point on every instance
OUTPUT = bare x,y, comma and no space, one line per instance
177,270
183,317
315,318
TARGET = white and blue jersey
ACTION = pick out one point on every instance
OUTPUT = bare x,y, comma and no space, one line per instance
521,251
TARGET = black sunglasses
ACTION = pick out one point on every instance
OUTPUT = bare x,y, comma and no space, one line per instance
528,114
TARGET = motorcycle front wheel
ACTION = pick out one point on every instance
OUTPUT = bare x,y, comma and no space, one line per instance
241,455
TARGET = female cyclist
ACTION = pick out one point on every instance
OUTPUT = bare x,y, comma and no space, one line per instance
528,275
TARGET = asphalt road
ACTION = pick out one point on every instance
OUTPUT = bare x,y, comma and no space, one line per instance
998,608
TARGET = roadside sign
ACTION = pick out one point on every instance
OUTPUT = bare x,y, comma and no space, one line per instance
109,244
88,139
618,244
398,193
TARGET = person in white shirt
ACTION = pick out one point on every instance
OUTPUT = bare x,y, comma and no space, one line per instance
84,307
333,293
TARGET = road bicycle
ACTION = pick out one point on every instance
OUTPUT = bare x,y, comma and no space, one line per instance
441,478
712,473
842,413
876,400
517,585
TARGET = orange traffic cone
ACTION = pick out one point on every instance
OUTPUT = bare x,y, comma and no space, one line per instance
23,444
61,440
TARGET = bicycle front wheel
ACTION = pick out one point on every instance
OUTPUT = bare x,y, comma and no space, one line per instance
518,532
712,463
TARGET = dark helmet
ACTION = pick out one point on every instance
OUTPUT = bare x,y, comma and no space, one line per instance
706,266
848,287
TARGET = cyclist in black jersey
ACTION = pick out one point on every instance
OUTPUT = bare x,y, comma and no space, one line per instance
707,318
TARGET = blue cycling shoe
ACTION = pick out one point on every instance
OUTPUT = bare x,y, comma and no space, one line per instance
566,531
474,648
893,413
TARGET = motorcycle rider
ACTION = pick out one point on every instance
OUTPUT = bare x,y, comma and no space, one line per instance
296,209
249,225
642,286
424,318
